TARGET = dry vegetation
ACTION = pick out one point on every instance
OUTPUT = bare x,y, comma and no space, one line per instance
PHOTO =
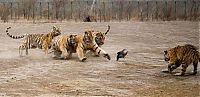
112,10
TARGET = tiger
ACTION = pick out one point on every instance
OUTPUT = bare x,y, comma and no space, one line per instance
182,56
99,37
86,42
32,41
63,46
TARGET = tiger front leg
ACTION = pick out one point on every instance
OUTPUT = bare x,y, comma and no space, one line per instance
195,64
46,51
171,67
26,51
96,54
100,51
80,52
70,51
70,54
45,48
91,52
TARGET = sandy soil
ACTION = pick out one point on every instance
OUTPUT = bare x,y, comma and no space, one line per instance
139,74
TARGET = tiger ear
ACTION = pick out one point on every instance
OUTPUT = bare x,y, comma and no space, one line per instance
47,35
165,51
90,32
86,32
54,28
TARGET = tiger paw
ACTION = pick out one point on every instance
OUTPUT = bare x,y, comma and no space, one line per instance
66,58
96,55
107,56
83,59
179,74
165,71
194,72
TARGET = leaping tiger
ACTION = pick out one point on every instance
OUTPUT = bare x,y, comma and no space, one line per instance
86,42
99,38
64,46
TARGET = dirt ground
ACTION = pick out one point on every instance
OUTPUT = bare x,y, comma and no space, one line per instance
139,74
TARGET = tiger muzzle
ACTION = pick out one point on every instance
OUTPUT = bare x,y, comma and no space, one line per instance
167,59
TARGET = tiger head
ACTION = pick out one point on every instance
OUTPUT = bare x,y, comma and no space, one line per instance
88,37
171,54
72,40
99,38
166,55
56,31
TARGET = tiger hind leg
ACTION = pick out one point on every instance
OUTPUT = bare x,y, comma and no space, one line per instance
64,53
26,51
195,64
57,54
21,48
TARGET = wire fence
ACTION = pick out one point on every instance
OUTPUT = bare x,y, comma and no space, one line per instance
100,11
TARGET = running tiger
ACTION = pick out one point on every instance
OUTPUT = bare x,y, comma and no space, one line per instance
86,42
31,41
64,46
182,55
99,37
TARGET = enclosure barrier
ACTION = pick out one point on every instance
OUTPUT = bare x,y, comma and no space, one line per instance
100,10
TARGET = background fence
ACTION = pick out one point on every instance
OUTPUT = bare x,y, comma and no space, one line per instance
100,10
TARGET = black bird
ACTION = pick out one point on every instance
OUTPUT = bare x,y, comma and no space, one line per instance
121,54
